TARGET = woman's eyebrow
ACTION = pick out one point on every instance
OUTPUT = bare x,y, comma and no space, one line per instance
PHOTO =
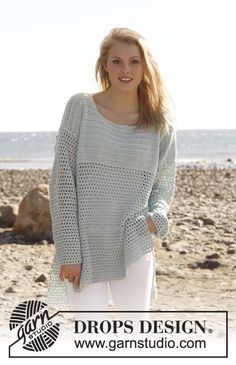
130,57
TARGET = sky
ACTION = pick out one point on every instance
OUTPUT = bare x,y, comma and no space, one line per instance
49,49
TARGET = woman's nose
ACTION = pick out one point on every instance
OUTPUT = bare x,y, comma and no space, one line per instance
126,69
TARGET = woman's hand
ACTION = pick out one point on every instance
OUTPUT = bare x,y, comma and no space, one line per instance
151,226
71,272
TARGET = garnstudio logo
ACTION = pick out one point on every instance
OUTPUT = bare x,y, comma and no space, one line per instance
34,325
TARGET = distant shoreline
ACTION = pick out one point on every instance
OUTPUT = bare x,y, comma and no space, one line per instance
46,164
206,148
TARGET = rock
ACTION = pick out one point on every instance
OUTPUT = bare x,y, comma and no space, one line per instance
186,220
183,252
34,219
39,295
207,221
193,265
8,214
43,242
19,237
214,255
41,279
4,239
198,222
217,195
179,246
8,234
226,230
228,242
169,272
28,267
20,242
209,264
231,251
161,271
225,240
9,290
184,227
166,245
179,224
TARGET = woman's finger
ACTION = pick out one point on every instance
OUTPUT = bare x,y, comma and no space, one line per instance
76,281
61,274
71,278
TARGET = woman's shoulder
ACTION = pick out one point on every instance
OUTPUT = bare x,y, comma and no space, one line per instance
73,113
79,97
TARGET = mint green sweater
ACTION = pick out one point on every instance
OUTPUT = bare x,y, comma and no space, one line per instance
106,179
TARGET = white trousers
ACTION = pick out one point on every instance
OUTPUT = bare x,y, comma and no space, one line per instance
133,292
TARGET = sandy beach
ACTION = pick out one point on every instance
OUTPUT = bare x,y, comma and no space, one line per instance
195,263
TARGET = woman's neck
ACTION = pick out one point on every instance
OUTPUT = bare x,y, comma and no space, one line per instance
121,101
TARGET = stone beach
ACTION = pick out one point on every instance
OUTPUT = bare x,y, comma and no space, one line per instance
195,262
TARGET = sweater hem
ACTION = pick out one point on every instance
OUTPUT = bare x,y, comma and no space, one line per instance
58,299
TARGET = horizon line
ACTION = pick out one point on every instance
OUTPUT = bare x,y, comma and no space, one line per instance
53,131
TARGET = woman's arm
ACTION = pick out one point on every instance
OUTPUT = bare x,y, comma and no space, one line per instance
62,187
164,185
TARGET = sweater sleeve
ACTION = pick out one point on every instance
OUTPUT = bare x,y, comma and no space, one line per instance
164,185
62,187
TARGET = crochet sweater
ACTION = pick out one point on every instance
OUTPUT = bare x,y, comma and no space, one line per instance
105,180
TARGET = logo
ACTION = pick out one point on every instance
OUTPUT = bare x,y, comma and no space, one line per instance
34,325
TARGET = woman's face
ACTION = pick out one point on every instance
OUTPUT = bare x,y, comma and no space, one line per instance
124,66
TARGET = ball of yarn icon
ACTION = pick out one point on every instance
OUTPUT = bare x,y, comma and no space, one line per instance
40,338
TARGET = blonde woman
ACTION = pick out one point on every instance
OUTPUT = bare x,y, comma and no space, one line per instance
112,182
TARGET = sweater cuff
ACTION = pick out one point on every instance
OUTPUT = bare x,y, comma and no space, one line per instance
161,222
68,258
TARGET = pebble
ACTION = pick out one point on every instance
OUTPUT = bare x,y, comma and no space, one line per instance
207,221
28,267
198,222
228,231
42,242
209,264
179,246
214,255
41,279
231,251
193,265
226,241
183,252
169,272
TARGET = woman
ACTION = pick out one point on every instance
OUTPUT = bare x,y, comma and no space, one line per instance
112,182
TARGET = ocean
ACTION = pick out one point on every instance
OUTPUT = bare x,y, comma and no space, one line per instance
201,147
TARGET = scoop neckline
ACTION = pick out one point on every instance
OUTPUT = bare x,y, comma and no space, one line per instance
109,122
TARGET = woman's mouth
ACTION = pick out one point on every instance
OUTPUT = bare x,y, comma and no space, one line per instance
125,80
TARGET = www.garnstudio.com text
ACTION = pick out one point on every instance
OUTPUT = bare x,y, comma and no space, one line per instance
160,343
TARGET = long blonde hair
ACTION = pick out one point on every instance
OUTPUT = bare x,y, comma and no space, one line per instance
152,93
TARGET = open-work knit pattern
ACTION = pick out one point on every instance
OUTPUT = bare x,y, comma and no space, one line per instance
105,180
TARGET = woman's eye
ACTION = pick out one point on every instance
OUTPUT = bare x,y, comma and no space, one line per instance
118,61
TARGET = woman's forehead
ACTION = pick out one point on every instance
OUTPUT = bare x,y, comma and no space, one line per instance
124,49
